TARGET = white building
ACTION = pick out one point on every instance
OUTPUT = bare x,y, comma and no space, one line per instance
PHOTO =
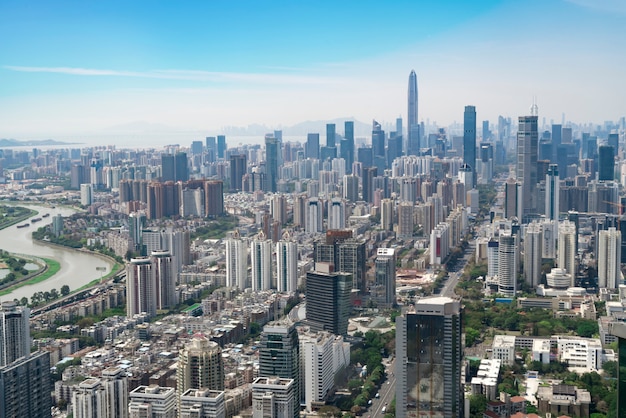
336,214
236,263
609,258
261,262
439,244
202,403
503,349
88,399
314,219
322,356
567,248
486,380
386,214
152,402
273,397
507,264
192,203
541,350
580,352
287,266
86,194
532,254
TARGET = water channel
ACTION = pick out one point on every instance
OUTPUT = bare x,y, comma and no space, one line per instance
77,268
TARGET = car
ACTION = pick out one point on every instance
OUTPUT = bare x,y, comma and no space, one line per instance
384,409
378,394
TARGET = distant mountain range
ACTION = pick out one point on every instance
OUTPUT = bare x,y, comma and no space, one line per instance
4,142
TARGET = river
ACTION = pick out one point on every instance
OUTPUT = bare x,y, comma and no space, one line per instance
77,268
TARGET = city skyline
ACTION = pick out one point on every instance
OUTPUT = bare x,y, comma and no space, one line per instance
73,69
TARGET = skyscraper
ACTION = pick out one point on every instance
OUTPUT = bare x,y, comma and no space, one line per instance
261,261
567,248
606,163
287,266
140,287
25,387
552,193
14,332
412,117
236,262
609,258
429,360
221,146
527,141
314,220
469,139
181,167
166,274
274,397
200,365
115,384
532,254
347,145
312,147
384,289
238,167
328,301
272,148
507,264
330,135
336,213
279,355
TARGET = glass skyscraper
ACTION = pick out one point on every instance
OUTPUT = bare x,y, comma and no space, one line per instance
469,140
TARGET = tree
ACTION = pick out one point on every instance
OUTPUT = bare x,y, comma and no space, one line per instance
24,301
65,290
471,335
478,405
610,368
330,411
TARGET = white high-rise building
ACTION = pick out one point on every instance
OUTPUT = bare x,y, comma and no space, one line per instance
336,214
386,214
507,264
287,266
261,261
192,203
567,248
314,218
89,400
152,402
115,383
202,403
14,332
532,254
549,235
609,258
273,397
322,355
406,219
141,287
164,270
86,194
236,263
200,366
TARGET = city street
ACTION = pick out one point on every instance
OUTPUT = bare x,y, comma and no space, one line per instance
387,392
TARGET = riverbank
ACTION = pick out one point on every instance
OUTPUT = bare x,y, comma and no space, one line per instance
5,223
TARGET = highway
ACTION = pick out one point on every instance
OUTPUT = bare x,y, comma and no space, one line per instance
387,392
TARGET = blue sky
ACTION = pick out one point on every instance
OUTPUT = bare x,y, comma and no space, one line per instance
84,66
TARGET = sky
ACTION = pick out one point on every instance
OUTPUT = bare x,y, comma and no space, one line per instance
78,67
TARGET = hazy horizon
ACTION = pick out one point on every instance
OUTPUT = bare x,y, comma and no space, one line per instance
80,68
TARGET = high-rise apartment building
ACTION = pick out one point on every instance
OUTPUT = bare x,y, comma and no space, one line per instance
567,248
314,218
532,254
86,194
384,289
261,262
287,266
274,397
386,214
336,213
351,188
429,354
405,220
14,332
469,140
279,355
165,273
115,383
202,403
527,142
141,287
25,387
328,300
609,258
236,262
152,402
89,400
200,366
507,264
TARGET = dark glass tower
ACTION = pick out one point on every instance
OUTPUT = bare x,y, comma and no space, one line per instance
271,163
469,140
221,146
606,163
312,147
180,166
168,172
347,145
527,142
328,301
556,141
238,166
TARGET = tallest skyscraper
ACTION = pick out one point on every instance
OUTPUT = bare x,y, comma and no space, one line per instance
413,143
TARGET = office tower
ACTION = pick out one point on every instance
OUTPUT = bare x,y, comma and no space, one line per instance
394,149
200,366
527,140
272,148
365,156
181,168
177,242
236,262
152,402
378,146
221,146
57,225
77,176
278,208
532,254
330,135
386,214
552,193
86,194
606,163
299,210
567,248
507,264
211,148
336,213
511,188
314,217
140,287
14,332
114,381
384,289
413,127
328,301
261,262
609,258
196,147
214,198
312,146
486,132
274,397
165,271
351,258
429,356
168,168
369,174
238,167
405,220
279,355
202,403
466,177
287,266
351,188
556,141
347,145
469,140
25,387
323,355
89,400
